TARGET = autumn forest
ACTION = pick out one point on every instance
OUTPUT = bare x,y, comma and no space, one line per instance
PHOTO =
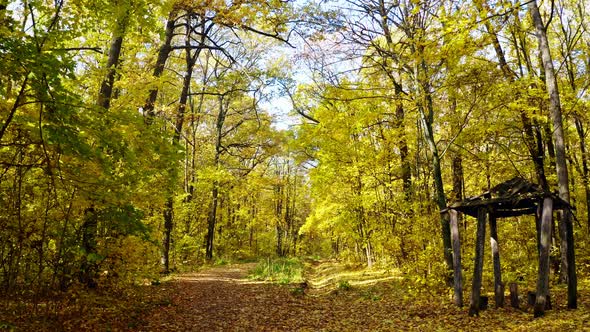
142,141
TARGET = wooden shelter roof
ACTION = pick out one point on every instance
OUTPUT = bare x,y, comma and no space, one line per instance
515,197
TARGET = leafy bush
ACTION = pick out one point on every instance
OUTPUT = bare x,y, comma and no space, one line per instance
344,285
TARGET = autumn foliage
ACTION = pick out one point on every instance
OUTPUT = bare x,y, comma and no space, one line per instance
140,140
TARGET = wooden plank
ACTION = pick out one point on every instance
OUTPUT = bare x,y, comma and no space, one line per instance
478,269
545,241
498,286
538,216
572,279
457,270
514,302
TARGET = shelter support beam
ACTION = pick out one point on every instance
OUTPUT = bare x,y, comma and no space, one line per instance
545,239
457,269
478,270
498,285
572,279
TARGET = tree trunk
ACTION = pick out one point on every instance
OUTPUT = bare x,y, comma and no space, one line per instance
89,227
427,114
403,145
163,54
168,226
106,87
190,60
560,154
585,180
535,151
406,169
89,230
441,199
212,219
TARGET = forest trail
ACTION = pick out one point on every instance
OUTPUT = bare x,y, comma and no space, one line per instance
223,299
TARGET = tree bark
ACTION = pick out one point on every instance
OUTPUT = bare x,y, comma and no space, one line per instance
426,109
560,153
212,219
585,171
406,170
535,151
89,230
105,94
168,226
403,145
190,60
163,54
106,87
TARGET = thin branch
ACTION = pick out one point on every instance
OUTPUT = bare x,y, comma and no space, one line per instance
83,48
15,106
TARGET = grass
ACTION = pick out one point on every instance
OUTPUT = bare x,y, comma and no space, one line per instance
280,270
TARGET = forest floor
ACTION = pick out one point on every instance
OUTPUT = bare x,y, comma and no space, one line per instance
335,298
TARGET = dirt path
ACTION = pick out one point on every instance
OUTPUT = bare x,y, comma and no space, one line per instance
222,299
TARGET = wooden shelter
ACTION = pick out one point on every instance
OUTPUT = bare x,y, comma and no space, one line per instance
514,197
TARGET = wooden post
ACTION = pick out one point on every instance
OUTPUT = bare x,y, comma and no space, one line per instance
514,302
498,286
457,270
478,270
543,278
572,279
538,225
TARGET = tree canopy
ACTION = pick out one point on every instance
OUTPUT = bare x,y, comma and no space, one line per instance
139,137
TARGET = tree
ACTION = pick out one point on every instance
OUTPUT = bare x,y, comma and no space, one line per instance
559,141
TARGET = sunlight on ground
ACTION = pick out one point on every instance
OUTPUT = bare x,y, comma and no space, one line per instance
327,276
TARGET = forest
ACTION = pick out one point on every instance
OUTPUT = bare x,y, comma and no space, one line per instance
143,140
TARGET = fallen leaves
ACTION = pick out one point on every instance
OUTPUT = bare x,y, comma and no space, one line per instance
222,299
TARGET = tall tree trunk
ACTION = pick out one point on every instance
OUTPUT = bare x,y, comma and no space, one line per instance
403,145
279,212
560,153
426,110
535,150
105,94
106,87
406,169
212,219
585,171
163,54
168,213
89,230
458,178
148,110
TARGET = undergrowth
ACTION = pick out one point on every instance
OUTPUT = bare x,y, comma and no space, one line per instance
280,270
